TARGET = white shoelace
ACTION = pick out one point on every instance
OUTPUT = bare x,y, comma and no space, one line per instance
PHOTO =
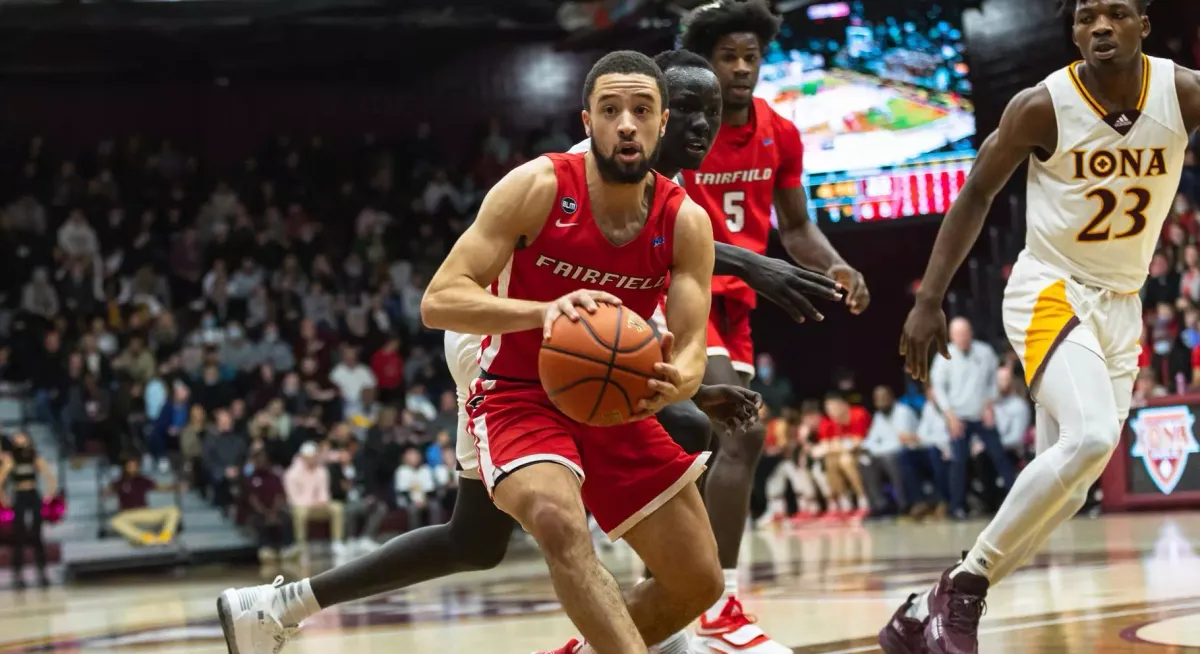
249,598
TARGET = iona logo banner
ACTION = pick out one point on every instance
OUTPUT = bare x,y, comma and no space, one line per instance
1164,441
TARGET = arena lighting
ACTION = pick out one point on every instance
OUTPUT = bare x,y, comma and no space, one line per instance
830,10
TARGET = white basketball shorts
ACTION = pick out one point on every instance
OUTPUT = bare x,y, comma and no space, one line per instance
1044,307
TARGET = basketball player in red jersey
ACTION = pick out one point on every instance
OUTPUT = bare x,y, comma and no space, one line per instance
260,619
607,214
755,162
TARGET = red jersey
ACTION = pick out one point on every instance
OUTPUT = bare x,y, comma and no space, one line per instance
736,184
856,428
570,252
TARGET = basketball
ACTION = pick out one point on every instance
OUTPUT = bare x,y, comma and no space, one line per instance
596,370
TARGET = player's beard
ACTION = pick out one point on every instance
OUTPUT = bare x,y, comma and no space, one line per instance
617,172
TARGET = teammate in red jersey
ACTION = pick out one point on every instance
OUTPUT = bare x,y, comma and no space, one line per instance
555,237
756,162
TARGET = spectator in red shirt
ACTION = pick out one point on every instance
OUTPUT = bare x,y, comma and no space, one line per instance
841,434
135,518
268,511
388,366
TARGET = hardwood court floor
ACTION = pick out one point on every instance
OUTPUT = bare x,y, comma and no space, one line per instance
1116,584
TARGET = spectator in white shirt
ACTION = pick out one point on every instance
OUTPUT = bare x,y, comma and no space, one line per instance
965,388
893,430
1013,415
351,377
415,487
934,451
77,238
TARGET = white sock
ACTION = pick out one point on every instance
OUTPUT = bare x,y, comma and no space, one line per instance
920,607
731,590
298,602
981,560
845,504
677,644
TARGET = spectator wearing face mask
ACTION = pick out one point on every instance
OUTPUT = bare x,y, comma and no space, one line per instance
776,391
272,350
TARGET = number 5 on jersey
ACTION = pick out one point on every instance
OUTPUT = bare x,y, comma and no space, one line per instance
735,213
1099,228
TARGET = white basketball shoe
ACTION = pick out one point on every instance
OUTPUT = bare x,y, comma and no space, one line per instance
250,619
733,632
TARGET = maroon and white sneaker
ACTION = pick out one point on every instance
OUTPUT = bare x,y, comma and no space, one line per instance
573,646
955,607
902,634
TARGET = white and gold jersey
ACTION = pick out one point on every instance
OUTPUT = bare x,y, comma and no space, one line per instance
1096,207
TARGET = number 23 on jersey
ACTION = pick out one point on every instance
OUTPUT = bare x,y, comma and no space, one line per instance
1100,227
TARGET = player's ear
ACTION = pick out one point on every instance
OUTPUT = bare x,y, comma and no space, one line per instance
587,123
1145,26
666,115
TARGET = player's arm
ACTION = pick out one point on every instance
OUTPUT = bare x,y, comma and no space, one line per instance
1187,85
685,353
801,238
515,209
778,281
1028,124
691,293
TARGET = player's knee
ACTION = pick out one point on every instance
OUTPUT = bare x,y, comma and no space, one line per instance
556,526
706,589
1099,436
687,425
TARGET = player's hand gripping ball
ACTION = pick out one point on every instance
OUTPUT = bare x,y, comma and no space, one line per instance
597,369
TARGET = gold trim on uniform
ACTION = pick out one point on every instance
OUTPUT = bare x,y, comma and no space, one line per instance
1052,314
1073,73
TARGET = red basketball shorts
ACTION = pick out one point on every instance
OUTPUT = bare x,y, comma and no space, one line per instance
627,471
729,333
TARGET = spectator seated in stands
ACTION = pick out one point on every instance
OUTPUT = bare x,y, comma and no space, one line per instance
308,490
135,520
351,378
169,424
349,471
415,486
934,436
893,432
1013,416
790,467
446,480
224,455
266,504
842,432
812,490
191,449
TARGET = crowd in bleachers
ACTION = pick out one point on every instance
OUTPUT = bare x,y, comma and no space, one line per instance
946,449
255,330
1170,359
